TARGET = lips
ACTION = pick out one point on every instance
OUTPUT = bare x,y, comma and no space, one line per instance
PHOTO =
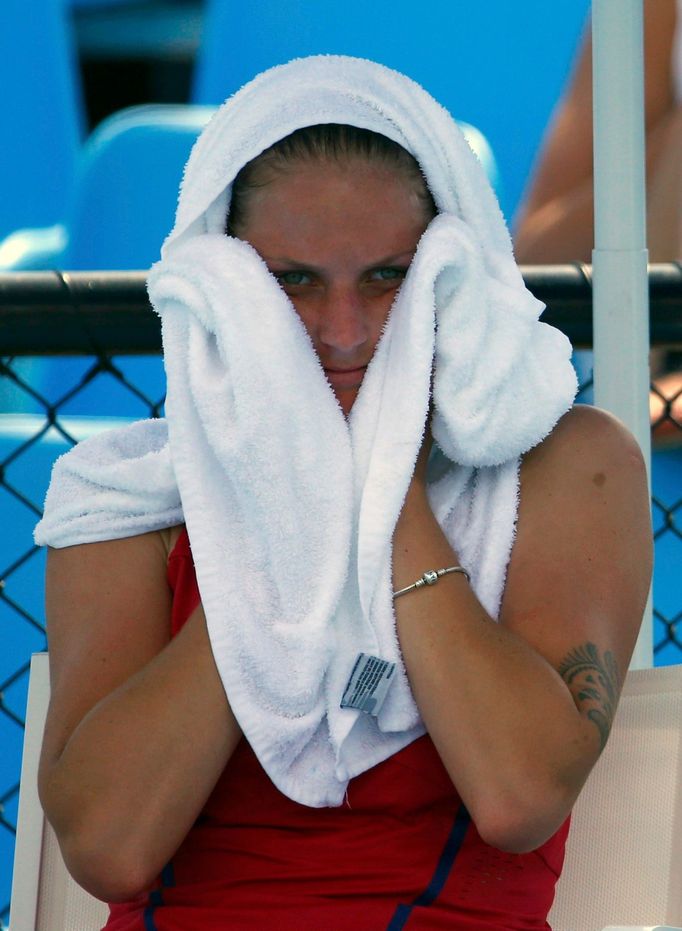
345,378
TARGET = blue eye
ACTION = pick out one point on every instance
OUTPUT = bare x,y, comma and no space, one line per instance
292,278
390,273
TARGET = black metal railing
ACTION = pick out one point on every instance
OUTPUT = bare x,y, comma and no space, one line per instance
81,312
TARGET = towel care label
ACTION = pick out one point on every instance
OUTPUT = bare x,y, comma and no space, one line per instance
368,684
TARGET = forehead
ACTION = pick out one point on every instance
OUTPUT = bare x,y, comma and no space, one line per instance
320,197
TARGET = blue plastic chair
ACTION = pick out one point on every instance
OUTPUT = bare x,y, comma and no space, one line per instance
121,211
126,186
41,113
124,194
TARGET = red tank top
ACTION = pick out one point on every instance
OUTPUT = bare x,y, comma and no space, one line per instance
401,852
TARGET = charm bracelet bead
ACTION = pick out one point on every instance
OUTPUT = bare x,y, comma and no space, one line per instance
430,577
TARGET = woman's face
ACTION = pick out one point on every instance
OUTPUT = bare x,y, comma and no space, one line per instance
339,239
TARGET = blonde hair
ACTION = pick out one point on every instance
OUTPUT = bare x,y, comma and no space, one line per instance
325,141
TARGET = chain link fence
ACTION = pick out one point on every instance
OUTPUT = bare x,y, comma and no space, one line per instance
79,353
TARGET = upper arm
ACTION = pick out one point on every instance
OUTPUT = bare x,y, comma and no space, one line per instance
580,569
659,33
108,614
566,159
566,156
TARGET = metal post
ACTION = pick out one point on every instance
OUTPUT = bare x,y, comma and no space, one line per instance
621,305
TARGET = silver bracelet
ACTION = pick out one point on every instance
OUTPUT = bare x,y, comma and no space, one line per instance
430,577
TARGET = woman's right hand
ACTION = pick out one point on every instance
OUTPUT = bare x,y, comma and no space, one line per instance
139,728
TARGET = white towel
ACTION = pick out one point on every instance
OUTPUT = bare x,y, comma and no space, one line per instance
290,508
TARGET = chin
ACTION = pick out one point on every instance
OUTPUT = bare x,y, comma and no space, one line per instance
346,400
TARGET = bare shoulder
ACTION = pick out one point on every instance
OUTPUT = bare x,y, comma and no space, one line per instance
586,437
581,563
108,610
107,591
587,482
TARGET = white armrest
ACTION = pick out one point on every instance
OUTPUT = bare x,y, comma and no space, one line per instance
641,928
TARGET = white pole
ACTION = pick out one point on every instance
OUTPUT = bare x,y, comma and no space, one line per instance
621,300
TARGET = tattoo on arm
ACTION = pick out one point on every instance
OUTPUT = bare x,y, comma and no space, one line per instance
594,683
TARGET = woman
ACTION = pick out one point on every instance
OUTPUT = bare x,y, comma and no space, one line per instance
352,384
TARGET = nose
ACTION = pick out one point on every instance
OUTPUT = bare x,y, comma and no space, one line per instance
343,323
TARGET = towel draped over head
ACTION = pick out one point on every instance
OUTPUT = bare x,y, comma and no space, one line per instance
290,507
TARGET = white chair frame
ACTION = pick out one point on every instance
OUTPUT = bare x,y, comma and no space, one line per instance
44,895
624,854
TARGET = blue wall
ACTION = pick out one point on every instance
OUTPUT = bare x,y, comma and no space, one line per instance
496,64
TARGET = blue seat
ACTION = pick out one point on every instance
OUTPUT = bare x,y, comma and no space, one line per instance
121,211
124,194
127,183
41,113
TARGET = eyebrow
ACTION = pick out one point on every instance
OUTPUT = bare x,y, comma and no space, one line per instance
394,259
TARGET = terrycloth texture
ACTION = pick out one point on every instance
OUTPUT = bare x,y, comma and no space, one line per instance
289,508
115,484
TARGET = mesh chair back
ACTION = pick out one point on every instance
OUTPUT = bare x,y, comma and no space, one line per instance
624,856
624,853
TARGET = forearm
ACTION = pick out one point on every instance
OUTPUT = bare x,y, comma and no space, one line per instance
136,771
503,721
